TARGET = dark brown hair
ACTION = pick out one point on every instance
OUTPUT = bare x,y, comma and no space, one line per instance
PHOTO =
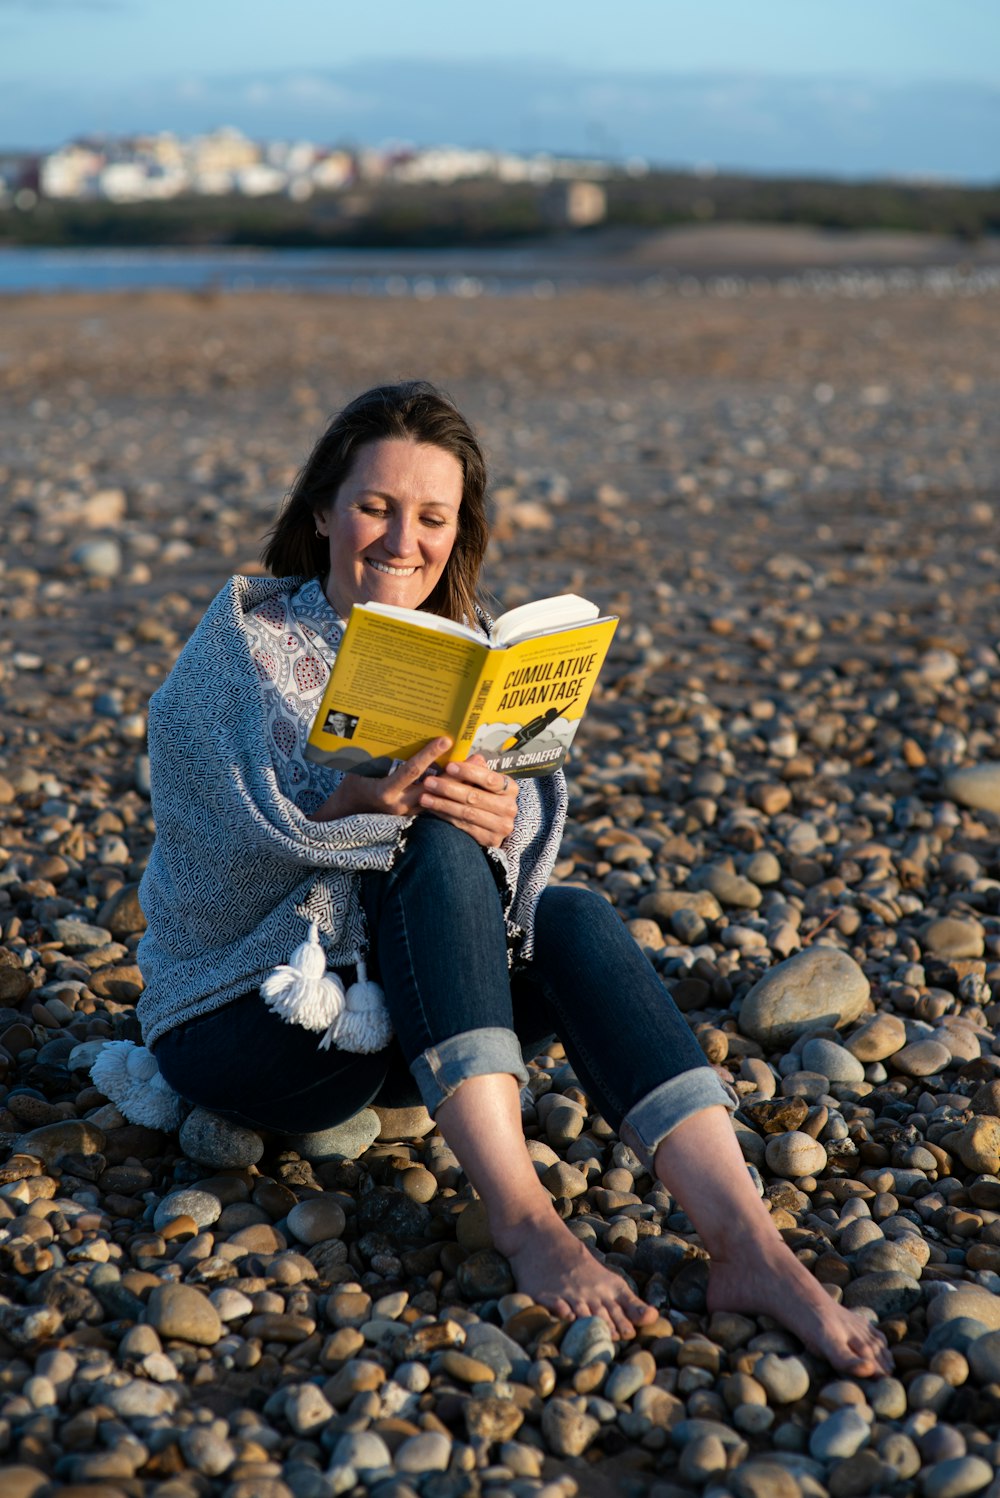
414,410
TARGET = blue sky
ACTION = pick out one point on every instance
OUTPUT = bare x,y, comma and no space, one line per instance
860,87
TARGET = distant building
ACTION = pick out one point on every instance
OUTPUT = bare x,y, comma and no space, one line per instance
131,169
223,151
258,179
71,172
576,204
333,170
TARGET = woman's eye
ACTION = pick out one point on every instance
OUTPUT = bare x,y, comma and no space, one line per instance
374,510
433,520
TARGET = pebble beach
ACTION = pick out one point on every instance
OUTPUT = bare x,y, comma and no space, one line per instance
788,785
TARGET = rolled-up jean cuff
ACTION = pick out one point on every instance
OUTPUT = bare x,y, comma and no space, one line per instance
442,1068
653,1117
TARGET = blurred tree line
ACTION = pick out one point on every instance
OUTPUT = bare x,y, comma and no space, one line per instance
485,211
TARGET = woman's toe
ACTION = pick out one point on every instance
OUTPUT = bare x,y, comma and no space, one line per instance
623,1327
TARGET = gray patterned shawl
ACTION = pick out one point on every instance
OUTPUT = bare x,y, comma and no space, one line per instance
238,871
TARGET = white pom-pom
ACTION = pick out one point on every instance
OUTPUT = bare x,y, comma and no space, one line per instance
110,1071
141,1066
128,1074
301,991
364,1026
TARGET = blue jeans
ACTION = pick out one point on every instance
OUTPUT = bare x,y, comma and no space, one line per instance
439,950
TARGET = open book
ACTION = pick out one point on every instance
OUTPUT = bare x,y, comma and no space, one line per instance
403,677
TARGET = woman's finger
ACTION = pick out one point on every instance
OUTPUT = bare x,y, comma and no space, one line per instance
499,802
481,821
477,807
418,764
476,771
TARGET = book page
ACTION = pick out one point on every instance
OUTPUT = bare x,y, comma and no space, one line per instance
536,694
394,686
544,615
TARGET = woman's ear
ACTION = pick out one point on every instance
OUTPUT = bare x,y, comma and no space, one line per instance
321,522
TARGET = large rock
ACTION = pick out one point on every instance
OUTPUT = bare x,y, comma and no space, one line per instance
403,1123
886,1292
184,1313
878,1038
977,786
832,1061
122,913
660,904
950,936
978,1144
15,982
73,1136
728,887
211,1140
344,1141
567,1431
317,1220
818,989
972,1301
203,1207
795,1154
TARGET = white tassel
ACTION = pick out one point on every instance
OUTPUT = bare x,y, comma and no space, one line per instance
364,1026
302,991
128,1075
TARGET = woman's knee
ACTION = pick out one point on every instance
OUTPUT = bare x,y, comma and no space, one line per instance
447,857
573,913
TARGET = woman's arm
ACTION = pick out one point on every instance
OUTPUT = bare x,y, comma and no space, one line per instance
395,795
472,797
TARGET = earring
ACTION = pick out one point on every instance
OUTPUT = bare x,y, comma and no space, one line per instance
319,534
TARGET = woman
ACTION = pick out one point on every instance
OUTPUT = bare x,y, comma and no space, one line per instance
441,876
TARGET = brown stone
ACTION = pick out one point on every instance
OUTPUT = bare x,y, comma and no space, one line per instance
660,904
184,1313
122,914
403,1123
776,1115
492,1419
472,1228
122,982
19,1168
467,1370
15,982
524,1327
978,1144
276,1326
986,1099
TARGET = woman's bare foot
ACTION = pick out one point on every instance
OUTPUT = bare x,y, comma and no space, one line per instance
769,1280
556,1270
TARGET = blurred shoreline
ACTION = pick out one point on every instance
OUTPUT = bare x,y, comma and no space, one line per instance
684,258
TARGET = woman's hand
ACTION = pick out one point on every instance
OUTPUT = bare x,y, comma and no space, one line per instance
395,795
470,795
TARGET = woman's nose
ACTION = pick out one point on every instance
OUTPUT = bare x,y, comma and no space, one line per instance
401,536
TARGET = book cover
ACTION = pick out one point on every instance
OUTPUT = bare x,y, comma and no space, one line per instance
396,684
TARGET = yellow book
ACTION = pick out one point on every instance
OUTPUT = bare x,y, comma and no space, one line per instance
403,677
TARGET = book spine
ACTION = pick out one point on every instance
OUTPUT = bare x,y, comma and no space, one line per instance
475,712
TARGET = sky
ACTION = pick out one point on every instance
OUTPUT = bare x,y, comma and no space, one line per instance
856,88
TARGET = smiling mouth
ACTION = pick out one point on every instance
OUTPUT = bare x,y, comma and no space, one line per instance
390,571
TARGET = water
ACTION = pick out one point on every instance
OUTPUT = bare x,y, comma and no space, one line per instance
540,270
420,273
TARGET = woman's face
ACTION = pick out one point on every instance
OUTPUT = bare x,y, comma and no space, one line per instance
392,525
